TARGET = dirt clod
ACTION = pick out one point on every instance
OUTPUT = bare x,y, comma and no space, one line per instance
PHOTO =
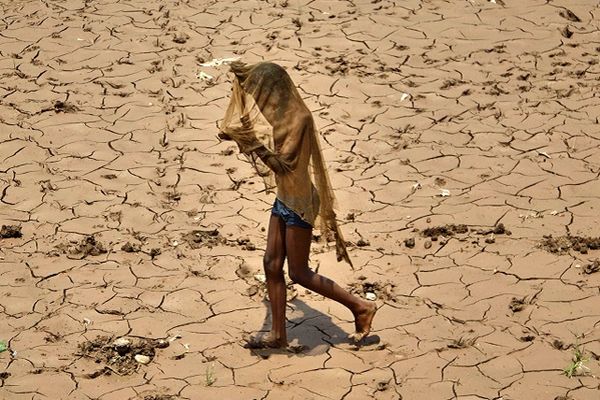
131,247
197,238
516,305
64,107
10,231
155,252
382,291
592,267
445,230
88,246
562,244
117,355
362,243
159,397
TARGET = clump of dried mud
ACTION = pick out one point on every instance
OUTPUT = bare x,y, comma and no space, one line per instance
131,247
592,267
197,238
159,397
10,231
88,246
562,244
117,357
445,230
516,304
372,290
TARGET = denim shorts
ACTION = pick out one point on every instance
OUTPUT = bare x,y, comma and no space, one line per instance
289,217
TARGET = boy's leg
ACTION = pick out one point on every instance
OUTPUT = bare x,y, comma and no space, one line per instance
297,242
273,265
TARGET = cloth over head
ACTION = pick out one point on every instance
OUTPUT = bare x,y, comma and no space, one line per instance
266,114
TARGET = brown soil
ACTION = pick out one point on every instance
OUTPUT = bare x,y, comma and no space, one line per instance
465,112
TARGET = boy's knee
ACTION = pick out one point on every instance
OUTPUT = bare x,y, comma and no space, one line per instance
296,277
272,265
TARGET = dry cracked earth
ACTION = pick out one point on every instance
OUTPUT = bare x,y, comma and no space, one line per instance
462,139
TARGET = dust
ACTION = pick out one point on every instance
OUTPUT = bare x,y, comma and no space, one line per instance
118,356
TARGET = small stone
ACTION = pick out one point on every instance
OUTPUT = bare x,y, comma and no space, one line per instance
131,247
154,252
362,242
410,242
370,296
427,244
10,231
122,346
161,344
262,278
382,386
142,359
252,290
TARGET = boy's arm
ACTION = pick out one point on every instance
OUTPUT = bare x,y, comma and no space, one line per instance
271,160
286,158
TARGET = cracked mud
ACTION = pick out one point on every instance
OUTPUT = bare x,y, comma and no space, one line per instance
124,216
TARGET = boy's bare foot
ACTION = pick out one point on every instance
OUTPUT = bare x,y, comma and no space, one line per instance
267,341
362,321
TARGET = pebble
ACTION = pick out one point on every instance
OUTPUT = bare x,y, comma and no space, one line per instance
371,296
142,359
122,345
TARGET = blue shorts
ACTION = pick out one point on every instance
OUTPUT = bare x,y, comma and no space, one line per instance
288,216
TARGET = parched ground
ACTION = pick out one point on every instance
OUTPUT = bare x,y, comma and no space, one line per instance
459,135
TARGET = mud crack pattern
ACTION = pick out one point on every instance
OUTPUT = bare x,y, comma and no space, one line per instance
464,114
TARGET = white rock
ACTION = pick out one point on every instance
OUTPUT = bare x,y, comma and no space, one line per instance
370,296
219,61
205,77
142,359
260,278
121,342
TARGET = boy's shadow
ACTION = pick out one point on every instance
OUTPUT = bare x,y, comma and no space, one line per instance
310,332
